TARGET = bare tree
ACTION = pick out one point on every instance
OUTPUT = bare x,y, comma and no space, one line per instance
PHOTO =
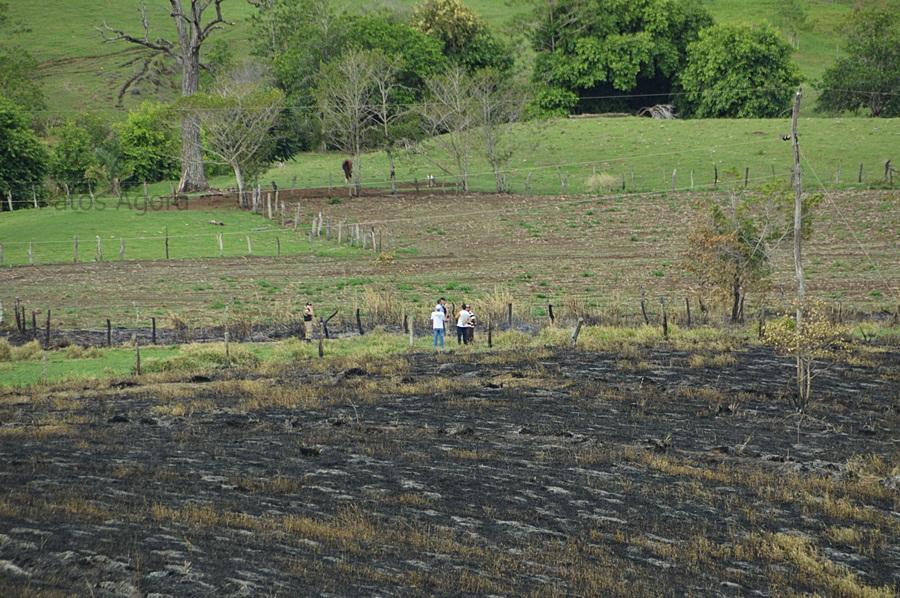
448,116
236,119
192,33
345,93
498,104
385,111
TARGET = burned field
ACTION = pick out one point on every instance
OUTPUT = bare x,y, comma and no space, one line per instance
649,471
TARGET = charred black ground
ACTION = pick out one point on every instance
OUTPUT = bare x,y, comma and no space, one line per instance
648,472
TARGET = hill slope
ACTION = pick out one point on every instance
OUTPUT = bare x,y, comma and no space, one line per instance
81,73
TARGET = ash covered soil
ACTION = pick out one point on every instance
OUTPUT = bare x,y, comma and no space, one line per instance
541,472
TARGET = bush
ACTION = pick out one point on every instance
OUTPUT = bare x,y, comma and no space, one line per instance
738,71
27,352
5,350
149,144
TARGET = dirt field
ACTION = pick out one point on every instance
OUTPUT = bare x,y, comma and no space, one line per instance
599,252
644,472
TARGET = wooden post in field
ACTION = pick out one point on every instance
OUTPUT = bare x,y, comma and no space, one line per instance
509,316
75,249
674,174
167,242
687,305
227,348
359,325
137,355
34,322
319,226
746,176
761,327
692,179
221,245
108,333
321,342
1,312
282,211
374,246
121,249
550,313
249,246
296,217
340,231
99,257
1,254
803,377
665,318
30,252
490,334
47,332
153,330
9,200
412,334
277,247
715,175
577,331
860,179
644,308
269,205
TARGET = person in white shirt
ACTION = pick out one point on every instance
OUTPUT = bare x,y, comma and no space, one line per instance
462,323
437,325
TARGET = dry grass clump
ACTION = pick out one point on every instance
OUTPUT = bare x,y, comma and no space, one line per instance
719,360
494,307
28,352
204,357
601,181
383,307
79,352
5,350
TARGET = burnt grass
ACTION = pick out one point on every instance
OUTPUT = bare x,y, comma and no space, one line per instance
541,472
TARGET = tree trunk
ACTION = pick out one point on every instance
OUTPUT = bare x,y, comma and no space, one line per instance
239,179
736,305
192,176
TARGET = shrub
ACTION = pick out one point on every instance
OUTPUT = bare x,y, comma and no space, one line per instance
601,182
5,350
79,352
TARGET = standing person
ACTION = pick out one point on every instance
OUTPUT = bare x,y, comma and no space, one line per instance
438,317
462,322
308,316
470,326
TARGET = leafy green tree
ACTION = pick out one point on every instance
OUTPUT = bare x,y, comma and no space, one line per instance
868,77
465,37
591,48
23,159
149,144
72,156
738,71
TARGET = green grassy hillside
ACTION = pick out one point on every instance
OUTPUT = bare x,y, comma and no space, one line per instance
83,74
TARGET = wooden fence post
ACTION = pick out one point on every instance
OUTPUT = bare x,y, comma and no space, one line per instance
269,205
137,355
47,332
249,246
34,322
30,252
277,247
674,174
509,322
340,232
687,305
490,334
75,249
1,254
860,179
296,217
153,330
108,333
550,313
577,331
99,249
359,325
167,242
227,348
715,175
746,176
412,334
121,249
665,319
221,245
644,308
